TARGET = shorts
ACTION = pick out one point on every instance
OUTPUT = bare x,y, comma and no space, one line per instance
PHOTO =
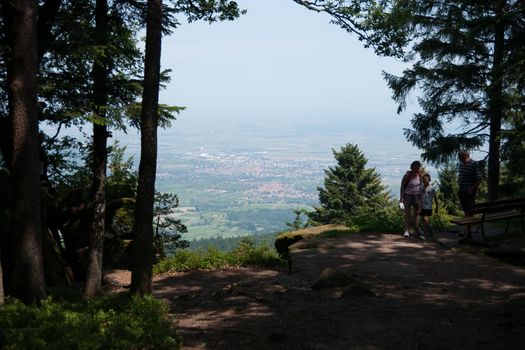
410,200
466,200
426,212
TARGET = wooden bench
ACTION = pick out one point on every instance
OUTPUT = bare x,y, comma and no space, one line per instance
501,209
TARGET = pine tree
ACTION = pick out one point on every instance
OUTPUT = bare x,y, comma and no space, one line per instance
448,188
28,282
461,50
349,188
467,65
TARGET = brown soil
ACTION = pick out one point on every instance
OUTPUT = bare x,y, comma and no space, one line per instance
428,295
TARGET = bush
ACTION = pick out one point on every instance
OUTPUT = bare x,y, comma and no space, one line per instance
388,218
247,253
109,322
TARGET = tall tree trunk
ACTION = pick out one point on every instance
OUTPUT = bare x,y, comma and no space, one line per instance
141,278
46,16
1,284
28,271
495,96
98,187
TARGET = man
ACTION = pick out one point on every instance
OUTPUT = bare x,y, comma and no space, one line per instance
469,179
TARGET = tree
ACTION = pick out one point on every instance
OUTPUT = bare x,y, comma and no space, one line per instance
349,188
448,188
1,284
28,283
141,278
462,69
467,63
93,284
168,230
210,10
298,222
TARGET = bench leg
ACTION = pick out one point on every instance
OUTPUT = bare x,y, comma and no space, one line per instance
483,232
507,227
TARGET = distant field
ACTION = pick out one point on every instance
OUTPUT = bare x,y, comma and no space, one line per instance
236,221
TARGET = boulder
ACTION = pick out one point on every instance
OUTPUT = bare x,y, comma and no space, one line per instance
330,278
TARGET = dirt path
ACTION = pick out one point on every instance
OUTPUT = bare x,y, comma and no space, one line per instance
426,297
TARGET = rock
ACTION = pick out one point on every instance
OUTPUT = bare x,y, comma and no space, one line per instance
330,278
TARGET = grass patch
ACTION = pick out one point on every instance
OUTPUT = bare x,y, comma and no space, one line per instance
247,253
113,321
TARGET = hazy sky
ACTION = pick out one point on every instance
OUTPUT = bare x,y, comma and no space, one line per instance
278,61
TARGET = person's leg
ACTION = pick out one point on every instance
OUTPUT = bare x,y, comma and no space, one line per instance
416,217
467,201
406,220
426,225
409,204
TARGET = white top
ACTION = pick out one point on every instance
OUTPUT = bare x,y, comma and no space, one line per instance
427,196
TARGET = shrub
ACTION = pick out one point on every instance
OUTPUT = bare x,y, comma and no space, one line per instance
109,322
388,218
247,253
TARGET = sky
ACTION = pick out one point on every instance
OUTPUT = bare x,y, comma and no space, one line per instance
278,66
278,61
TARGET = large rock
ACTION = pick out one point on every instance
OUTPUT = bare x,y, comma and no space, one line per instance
357,289
330,278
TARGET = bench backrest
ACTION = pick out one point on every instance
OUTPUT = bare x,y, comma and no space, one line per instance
499,205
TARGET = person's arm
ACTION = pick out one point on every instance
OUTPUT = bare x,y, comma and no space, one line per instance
479,178
402,190
419,199
475,186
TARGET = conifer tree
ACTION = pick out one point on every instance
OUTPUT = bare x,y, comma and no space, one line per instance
350,188
448,188
467,65
28,282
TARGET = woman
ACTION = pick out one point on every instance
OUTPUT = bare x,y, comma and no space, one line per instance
409,196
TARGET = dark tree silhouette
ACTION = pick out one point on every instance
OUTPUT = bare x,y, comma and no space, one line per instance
141,278
100,136
28,271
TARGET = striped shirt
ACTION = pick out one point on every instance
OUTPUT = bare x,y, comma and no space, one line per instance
468,174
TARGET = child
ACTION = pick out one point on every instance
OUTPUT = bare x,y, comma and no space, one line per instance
427,195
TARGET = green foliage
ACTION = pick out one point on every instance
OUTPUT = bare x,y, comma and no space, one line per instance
440,219
109,322
208,10
168,230
386,218
300,221
122,178
228,243
448,189
513,153
350,189
467,68
247,253
467,65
